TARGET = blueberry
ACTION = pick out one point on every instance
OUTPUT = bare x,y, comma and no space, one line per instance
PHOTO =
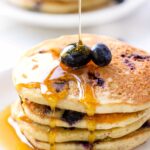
97,79
72,116
120,1
59,86
87,145
146,124
101,55
76,55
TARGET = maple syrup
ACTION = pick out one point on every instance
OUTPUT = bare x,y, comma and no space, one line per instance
88,98
80,23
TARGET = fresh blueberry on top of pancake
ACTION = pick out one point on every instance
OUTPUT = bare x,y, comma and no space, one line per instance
101,55
72,116
76,55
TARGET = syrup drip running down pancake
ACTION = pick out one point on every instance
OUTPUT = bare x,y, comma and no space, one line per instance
90,89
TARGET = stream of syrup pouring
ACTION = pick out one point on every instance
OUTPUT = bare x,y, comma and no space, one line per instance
10,140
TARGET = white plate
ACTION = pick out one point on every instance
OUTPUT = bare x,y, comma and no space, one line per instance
91,18
8,95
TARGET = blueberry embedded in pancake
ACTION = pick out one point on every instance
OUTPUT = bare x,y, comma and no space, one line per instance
72,117
87,145
131,59
95,79
136,57
59,85
146,124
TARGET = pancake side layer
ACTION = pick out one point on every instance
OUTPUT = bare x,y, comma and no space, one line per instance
38,114
41,132
128,142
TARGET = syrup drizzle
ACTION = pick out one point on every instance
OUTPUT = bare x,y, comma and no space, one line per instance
52,132
88,97
80,23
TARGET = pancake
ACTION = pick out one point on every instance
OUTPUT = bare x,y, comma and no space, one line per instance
128,70
41,132
59,6
125,143
42,115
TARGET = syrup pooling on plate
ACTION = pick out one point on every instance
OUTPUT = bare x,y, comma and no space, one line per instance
9,140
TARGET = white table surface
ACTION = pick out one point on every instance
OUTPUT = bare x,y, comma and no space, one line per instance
16,38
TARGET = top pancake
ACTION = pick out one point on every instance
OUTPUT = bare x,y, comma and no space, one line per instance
126,79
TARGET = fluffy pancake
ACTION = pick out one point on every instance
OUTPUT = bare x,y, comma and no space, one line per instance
41,132
125,143
128,70
59,6
42,114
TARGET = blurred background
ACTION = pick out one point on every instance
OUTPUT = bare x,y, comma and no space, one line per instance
25,23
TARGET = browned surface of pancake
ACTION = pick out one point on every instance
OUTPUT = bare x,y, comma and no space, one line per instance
127,77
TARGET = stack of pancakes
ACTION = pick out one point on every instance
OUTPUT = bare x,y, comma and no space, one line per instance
60,6
91,108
